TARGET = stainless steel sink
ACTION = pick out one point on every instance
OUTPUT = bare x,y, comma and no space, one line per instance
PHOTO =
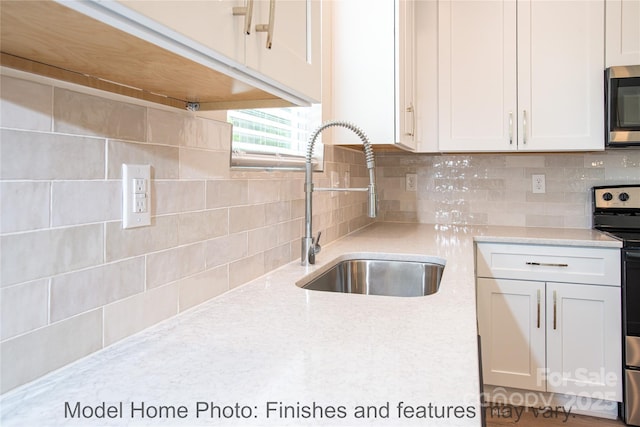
379,277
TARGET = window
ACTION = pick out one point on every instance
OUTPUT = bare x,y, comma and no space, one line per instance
275,138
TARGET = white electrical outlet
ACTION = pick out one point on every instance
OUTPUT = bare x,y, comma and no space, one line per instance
411,182
136,195
538,184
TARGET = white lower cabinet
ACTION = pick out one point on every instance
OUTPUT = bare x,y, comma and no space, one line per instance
512,327
548,335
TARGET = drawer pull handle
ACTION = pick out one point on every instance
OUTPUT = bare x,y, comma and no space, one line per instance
555,310
538,309
547,264
247,12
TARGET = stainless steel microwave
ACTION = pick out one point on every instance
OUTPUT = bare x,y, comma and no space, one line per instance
622,106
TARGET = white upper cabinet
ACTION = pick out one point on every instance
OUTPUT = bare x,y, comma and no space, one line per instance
520,75
215,54
623,32
374,70
294,53
280,39
209,23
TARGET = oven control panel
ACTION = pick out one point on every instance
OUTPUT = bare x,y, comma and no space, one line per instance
617,197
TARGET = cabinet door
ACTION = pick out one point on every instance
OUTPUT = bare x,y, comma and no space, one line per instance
363,65
477,75
623,32
294,58
584,340
209,23
511,322
406,126
560,75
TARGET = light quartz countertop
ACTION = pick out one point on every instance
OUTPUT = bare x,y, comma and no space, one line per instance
269,353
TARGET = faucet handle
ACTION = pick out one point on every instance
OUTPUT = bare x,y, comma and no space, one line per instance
314,248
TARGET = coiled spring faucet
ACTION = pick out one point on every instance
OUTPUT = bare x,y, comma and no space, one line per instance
311,245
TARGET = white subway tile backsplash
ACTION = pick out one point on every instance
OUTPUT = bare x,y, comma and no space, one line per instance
452,188
175,263
177,196
25,105
44,156
246,269
30,205
81,202
264,191
202,225
203,286
248,217
121,243
81,114
210,134
40,254
130,315
167,127
29,356
226,249
23,307
225,193
81,291
163,159
204,164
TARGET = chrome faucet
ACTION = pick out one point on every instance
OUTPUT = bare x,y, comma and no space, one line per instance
311,245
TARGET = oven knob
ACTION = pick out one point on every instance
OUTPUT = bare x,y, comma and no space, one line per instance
607,197
623,197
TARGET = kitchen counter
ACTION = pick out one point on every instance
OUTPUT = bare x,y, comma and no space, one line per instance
270,353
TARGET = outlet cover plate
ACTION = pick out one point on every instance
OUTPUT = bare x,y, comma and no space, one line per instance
538,183
136,195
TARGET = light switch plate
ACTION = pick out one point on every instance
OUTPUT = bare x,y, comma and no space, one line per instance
136,195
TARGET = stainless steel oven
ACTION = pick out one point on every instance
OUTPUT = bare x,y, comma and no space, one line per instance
616,210
631,298
622,106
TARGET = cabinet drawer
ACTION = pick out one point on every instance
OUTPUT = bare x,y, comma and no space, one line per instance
597,266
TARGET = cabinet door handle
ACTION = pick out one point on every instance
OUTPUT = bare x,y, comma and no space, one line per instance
268,28
247,12
510,127
538,321
546,264
524,126
555,310
413,120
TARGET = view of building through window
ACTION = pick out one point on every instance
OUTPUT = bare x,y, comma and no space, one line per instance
274,133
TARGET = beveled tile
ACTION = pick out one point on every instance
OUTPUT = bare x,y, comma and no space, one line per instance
81,202
83,114
25,307
175,263
130,315
121,243
24,206
84,290
49,348
197,289
25,104
227,192
203,225
39,254
163,159
41,156
177,196
226,249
